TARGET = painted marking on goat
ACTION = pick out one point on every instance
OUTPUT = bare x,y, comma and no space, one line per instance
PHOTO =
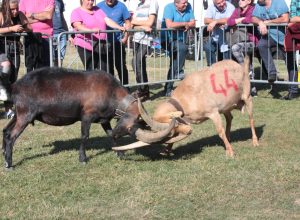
221,89
232,84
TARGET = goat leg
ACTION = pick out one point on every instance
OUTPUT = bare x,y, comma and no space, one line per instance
216,118
249,107
228,117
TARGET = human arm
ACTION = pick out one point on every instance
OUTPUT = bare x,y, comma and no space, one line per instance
212,23
179,25
109,22
261,25
295,19
126,34
234,18
284,18
10,29
47,14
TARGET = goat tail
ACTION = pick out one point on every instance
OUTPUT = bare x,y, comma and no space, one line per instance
246,65
246,79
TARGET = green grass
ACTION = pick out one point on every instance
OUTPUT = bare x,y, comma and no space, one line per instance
198,182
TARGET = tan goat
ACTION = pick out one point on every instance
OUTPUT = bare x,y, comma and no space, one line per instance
205,95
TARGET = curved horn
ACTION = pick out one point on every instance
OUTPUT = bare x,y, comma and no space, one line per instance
152,137
155,126
130,146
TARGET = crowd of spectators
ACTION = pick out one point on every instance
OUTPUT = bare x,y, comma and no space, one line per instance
99,49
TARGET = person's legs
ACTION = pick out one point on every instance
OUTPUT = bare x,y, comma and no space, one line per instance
46,52
62,42
139,67
85,57
210,51
292,72
101,58
222,43
120,62
177,61
264,46
111,60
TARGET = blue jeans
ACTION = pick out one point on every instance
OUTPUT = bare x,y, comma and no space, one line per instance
63,46
264,47
212,48
177,51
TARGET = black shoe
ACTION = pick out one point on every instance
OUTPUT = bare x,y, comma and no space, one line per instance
275,94
272,78
290,96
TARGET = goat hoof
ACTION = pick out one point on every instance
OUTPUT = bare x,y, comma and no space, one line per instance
230,154
255,143
166,153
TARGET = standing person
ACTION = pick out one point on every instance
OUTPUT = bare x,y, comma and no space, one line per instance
178,15
292,40
144,18
215,18
274,12
92,48
39,14
118,12
11,21
59,26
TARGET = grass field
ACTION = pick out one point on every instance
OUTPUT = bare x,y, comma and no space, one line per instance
198,182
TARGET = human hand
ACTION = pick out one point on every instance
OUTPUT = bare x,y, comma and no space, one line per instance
16,28
262,28
211,26
239,20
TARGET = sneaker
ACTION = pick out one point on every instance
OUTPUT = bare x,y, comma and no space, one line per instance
10,114
253,92
275,93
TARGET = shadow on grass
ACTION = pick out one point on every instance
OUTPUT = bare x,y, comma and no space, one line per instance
104,144
188,150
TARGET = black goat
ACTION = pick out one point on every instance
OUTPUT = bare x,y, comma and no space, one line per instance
59,97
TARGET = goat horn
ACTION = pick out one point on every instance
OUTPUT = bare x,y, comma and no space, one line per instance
139,144
153,137
131,146
154,125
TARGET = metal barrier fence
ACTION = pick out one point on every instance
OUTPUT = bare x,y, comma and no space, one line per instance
159,55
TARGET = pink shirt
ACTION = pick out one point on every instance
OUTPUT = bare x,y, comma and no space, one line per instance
94,20
36,6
